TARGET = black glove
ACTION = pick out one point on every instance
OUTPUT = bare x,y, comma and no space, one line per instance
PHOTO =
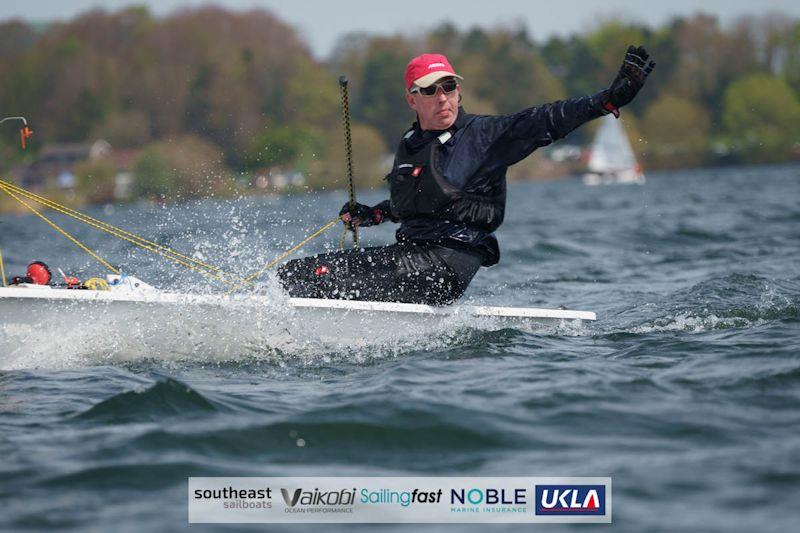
361,215
629,81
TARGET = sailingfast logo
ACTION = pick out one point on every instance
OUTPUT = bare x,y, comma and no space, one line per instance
570,500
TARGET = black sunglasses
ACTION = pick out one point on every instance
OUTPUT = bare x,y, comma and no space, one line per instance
448,86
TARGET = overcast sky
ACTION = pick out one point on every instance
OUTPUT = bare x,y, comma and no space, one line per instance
322,22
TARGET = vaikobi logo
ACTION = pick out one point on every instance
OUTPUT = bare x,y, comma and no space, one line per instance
570,500
319,501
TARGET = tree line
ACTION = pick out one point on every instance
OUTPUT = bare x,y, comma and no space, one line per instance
213,96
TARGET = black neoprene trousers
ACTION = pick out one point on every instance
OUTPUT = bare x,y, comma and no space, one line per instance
403,272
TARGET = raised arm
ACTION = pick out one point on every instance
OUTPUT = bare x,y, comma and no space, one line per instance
514,137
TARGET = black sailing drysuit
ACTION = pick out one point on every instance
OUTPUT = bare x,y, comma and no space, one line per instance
448,193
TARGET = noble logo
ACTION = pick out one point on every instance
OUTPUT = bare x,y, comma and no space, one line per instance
489,496
570,500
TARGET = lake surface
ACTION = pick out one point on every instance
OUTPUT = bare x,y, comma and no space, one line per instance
686,391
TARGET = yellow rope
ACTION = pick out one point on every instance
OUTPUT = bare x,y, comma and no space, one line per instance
287,253
119,233
144,246
141,242
61,231
3,269
102,226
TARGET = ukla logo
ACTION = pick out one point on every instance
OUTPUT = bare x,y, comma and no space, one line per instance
570,500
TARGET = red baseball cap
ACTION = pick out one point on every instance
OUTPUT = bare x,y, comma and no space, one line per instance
427,69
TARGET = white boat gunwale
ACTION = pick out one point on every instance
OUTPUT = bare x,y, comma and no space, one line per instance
160,297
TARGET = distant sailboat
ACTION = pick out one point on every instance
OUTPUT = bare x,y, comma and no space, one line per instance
612,159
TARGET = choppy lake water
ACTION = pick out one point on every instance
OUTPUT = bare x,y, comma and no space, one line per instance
686,391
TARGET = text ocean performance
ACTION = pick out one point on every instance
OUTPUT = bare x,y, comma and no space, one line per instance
479,500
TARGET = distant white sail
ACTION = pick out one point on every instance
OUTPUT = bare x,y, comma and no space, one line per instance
611,150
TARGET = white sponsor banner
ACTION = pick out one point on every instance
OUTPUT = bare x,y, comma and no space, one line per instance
475,500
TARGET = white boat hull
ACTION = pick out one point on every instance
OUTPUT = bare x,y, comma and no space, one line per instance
614,178
42,326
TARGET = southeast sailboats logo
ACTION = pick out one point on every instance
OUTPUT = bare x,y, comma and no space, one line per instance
570,500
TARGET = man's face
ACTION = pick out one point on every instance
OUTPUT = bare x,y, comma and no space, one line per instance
436,112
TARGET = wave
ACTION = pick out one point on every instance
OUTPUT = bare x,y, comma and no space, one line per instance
339,435
738,300
689,235
548,250
782,380
166,398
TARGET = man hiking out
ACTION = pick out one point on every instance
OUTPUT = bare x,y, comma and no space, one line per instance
448,189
